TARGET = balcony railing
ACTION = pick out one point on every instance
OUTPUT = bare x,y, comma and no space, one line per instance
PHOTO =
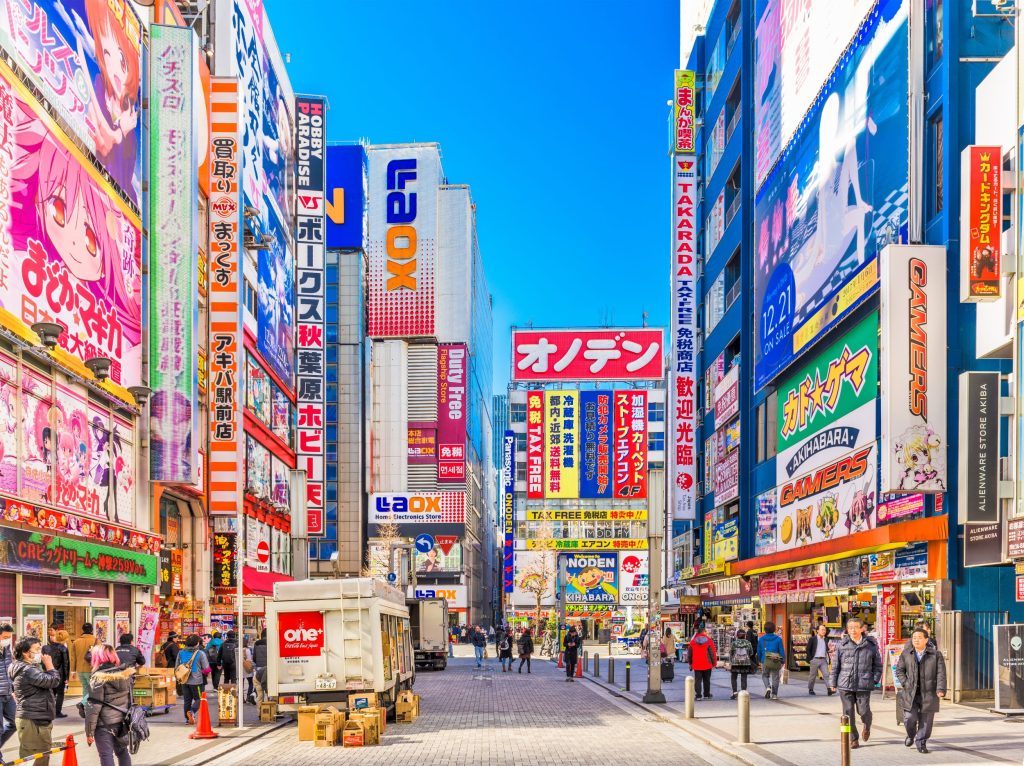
732,295
731,211
734,122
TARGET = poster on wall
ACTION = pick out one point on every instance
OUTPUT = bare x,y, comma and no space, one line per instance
452,364
634,577
837,196
630,446
596,433
149,616
591,578
561,430
981,223
765,540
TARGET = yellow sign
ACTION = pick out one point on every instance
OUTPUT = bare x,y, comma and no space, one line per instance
625,514
848,295
561,443
587,545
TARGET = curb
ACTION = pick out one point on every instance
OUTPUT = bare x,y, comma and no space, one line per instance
228,744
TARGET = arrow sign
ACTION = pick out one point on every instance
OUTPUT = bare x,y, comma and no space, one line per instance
424,543
392,577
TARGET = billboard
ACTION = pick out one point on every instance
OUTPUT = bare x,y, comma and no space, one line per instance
604,544
913,368
727,397
561,431
275,311
70,250
837,196
684,134
174,255
535,445
43,553
614,354
418,508
225,360
630,457
508,505
590,514
346,197
402,240
310,304
452,364
682,452
535,576
422,443
85,57
796,46
591,578
978,464
981,223
727,477
595,475
634,578
444,558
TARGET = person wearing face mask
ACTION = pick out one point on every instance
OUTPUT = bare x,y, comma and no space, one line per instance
8,707
34,679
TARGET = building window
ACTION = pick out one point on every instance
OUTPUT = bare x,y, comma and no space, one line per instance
656,412
656,465
517,413
933,31
250,298
936,152
767,428
656,441
520,471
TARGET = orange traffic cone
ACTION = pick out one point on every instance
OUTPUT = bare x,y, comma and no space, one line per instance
70,757
203,728
560,660
579,668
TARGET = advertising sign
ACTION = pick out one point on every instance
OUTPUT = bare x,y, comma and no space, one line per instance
725,541
174,254
588,514
630,424
1015,538
535,575
613,354
422,443
45,553
591,578
1009,667
604,544
896,507
346,197
310,303
439,559
913,368
85,57
978,461
561,458
89,281
508,504
535,445
912,562
634,578
682,450
225,564
684,112
276,286
421,508
452,364
596,476
727,397
835,198
455,595
981,223
225,360
983,544
300,634
727,477
765,534
402,240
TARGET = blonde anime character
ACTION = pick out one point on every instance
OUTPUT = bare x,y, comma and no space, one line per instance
919,451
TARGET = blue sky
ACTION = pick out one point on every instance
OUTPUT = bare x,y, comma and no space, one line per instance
553,112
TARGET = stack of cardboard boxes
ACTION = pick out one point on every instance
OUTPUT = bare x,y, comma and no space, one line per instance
407,707
155,687
361,725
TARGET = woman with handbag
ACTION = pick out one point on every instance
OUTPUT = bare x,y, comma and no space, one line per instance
110,695
192,667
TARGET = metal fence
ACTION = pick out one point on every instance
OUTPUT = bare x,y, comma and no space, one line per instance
965,640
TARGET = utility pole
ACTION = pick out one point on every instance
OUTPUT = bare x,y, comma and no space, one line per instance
655,543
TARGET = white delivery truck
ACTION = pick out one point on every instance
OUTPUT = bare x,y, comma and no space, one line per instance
328,638
429,619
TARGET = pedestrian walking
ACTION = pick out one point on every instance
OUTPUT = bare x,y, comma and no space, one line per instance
213,649
741,662
479,639
667,647
463,635
490,634
259,661
856,669
110,692
194,659
921,672
128,654
525,646
8,707
34,681
248,669
571,647
751,635
703,659
57,650
771,654
169,649
505,651
81,662
817,656
228,656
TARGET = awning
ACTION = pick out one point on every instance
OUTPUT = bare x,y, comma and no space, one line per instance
257,583
887,538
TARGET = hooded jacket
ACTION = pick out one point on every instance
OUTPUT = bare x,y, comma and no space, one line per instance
113,686
33,687
926,677
61,659
770,642
78,650
703,655
571,645
857,667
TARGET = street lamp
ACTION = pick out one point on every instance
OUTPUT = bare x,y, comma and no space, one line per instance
49,333
99,366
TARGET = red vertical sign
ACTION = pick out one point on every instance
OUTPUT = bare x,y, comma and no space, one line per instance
535,445
452,363
630,444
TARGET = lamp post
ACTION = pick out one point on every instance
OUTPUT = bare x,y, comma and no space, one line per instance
655,539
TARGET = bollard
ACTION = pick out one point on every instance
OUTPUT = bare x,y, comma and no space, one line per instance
611,670
584,663
688,693
627,675
743,717
597,665
844,741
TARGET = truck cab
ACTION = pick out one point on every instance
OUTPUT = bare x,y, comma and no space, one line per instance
429,620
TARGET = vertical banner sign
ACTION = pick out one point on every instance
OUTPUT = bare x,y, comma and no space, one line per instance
225,368
684,117
913,368
683,377
310,301
508,477
596,475
561,415
535,445
981,223
630,444
402,219
978,464
452,360
174,256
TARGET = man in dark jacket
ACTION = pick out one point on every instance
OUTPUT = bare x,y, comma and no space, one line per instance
921,672
170,650
8,707
229,658
259,664
856,669
128,654
58,652
479,639
34,685
571,647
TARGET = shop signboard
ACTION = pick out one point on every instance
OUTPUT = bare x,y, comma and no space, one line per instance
422,443
765,534
911,563
607,544
630,445
824,211
882,567
591,578
346,196
727,478
612,354
1020,589
535,445
418,508
165,571
896,507
684,139
983,544
1009,667
456,595
596,433
725,540
978,454
47,554
561,431
224,560
981,223
888,619
727,396
589,514
452,368
1015,538
508,504
633,578
913,371
535,575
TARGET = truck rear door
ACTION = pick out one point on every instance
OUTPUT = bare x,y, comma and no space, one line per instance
302,638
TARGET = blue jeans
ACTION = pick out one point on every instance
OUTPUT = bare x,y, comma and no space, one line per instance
479,652
8,708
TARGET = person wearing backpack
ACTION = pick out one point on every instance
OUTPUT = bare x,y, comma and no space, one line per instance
505,651
703,659
213,650
228,656
192,668
741,661
110,695
772,656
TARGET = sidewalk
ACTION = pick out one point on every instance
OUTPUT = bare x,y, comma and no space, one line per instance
799,729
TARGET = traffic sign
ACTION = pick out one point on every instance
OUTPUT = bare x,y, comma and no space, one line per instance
392,577
424,543
263,552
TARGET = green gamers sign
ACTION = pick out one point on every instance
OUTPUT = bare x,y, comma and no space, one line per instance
41,553
843,377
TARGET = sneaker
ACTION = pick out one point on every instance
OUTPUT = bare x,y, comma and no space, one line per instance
733,696
767,694
812,692
698,697
775,696
707,696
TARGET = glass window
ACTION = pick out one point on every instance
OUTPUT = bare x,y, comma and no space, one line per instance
762,426
520,471
332,492
332,313
327,549
332,472
332,413
331,511
656,412
332,433
772,420
517,412
656,465
935,142
332,373
332,354
656,441
332,333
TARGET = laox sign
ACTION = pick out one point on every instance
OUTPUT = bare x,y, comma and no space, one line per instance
410,504
401,237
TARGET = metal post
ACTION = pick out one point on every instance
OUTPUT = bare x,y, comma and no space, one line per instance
743,717
611,670
627,675
584,665
844,740
688,697
597,665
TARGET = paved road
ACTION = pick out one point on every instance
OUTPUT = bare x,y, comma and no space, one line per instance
473,717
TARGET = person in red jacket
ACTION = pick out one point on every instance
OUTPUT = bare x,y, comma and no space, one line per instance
703,659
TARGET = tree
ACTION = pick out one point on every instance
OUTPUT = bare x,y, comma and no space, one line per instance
539,575
378,551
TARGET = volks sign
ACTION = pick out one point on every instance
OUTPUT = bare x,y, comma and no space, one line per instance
300,634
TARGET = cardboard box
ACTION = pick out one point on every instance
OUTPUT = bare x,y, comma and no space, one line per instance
370,719
150,697
268,711
407,707
361,700
325,735
307,722
353,735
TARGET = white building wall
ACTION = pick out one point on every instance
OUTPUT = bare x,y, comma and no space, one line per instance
389,434
454,264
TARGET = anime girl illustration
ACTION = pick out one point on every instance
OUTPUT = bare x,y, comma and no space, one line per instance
170,418
8,429
862,509
919,452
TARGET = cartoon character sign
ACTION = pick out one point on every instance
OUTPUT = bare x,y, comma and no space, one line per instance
862,510
803,525
828,515
919,453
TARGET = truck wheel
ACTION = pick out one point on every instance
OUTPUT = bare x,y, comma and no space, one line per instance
443,665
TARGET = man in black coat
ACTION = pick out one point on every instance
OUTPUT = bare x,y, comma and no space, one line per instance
58,652
921,672
856,670
571,647
229,658
128,654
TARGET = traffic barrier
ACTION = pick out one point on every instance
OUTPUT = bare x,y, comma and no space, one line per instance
688,695
743,717
844,741
70,756
203,728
